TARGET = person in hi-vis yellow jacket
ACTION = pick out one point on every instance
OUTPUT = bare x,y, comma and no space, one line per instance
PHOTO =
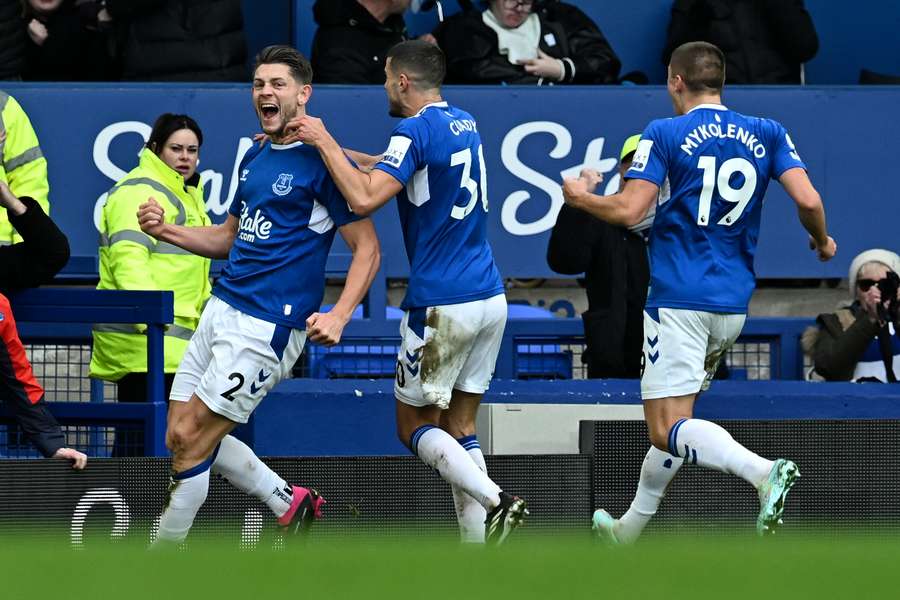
22,164
132,260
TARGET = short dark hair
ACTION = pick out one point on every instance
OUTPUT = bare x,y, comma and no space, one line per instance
167,124
300,68
701,66
422,62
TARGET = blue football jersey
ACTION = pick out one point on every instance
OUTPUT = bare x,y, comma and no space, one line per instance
703,240
288,209
438,157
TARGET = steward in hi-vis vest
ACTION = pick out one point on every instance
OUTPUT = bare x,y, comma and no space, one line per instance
132,260
22,164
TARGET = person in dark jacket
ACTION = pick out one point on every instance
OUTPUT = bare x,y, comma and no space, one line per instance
64,46
861,342
180,40
764,41
521,42
12,40
354,37
617,273
27,264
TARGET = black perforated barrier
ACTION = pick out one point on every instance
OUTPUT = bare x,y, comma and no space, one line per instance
383,495
850,475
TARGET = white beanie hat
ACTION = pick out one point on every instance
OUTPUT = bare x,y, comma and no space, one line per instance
885,257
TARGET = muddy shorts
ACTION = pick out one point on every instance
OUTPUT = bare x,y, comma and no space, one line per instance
682,349
448,347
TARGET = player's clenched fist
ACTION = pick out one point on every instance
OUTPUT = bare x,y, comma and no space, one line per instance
306,129
593,177
575,189
151,217
825,251
325,328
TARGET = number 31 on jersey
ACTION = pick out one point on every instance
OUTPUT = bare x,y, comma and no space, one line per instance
464,158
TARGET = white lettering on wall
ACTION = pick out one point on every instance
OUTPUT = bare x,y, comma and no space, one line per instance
91,498
509,155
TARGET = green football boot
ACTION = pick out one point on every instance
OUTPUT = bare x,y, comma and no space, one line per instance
604,527
772,492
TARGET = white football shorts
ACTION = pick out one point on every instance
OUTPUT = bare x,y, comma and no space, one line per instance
682,349
448,347
233,360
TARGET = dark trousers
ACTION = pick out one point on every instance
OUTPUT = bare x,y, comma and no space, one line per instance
617,291
133,388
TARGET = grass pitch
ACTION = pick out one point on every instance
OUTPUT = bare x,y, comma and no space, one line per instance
546,567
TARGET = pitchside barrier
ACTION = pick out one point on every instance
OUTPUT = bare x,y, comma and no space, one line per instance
844,437
56,324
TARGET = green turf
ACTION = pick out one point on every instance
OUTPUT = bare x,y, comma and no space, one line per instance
546,567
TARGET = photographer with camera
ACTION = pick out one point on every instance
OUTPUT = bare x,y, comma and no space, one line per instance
860,342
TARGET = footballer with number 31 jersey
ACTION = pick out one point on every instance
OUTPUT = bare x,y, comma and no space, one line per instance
438,156
455,303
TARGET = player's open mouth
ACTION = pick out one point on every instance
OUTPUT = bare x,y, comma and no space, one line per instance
268,110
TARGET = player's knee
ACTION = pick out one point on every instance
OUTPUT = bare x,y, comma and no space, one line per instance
659,436
458,427
182,436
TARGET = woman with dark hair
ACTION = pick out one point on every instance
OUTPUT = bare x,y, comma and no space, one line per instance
132,260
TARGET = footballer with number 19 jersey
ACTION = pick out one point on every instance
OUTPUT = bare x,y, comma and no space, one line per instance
704,237
703,241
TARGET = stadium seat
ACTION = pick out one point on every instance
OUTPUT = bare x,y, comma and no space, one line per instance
365,359
539,360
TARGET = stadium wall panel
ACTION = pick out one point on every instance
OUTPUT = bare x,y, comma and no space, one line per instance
531,138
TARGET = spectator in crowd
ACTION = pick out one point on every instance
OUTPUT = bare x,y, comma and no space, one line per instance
523,42
180,40
617,273
23,166
44,251
860,342
66,42
354,37
764,41
132,260
12,40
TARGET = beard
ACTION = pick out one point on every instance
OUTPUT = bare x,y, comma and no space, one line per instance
394,109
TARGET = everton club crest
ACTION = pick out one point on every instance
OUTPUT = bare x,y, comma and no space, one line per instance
282,185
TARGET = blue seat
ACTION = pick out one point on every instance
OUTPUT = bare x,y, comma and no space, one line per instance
366,359
377,358
539,361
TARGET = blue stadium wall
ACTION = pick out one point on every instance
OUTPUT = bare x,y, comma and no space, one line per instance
91,135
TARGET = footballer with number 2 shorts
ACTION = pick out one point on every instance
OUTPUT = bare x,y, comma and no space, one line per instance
702,245
276,237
